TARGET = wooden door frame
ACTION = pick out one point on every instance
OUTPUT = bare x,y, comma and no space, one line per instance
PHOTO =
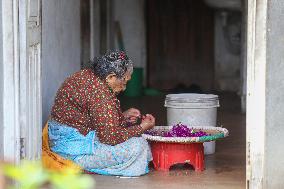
95,28
11,80
100,30
256,92
20,108
106,25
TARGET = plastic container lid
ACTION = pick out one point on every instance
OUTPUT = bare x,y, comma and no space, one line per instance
192,100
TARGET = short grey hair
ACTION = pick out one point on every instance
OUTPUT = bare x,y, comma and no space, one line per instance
116,62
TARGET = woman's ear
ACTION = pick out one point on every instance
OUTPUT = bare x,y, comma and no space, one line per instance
111,78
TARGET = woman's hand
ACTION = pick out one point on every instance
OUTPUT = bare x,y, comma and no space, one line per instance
131,115
148,122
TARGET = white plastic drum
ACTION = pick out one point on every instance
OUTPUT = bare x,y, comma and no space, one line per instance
193,110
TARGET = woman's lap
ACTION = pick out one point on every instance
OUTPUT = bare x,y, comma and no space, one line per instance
129,158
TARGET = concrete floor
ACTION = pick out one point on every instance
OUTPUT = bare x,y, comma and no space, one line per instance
224,169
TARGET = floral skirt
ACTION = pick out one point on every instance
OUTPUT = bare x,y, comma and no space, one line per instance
130,158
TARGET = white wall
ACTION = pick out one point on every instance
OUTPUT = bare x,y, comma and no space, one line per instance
274,140
60,46
131,15
227,60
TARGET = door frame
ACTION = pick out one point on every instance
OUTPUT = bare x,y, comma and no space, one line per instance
21,95
10,121
256,92
100,30
256,65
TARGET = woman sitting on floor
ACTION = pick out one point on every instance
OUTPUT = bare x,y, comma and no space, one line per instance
87,126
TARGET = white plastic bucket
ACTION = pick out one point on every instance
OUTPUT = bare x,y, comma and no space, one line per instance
193,110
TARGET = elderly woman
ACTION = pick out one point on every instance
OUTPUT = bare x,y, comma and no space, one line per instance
88,127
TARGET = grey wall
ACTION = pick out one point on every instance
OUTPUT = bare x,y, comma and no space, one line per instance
243,67
131,16
227,50
60,46
274,153
1,83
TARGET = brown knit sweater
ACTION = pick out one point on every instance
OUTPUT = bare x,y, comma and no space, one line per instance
86,103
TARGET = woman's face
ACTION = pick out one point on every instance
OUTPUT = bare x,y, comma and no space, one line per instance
118,84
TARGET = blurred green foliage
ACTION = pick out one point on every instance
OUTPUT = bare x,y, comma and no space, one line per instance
31,175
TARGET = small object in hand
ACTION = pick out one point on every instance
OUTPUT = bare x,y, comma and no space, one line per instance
139,120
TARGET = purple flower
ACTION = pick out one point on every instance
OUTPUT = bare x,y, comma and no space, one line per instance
180,130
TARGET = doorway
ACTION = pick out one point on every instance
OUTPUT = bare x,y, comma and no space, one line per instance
180,43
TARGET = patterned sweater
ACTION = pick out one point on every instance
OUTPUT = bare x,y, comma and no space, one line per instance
86,103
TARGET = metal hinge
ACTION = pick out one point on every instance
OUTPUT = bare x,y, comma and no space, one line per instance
247,184
248,166
248,154
22,148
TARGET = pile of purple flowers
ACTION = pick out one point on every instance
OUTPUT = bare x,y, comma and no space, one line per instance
180,130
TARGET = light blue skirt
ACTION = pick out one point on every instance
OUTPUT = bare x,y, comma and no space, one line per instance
130,158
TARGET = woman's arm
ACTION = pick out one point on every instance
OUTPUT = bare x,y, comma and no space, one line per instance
107,119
